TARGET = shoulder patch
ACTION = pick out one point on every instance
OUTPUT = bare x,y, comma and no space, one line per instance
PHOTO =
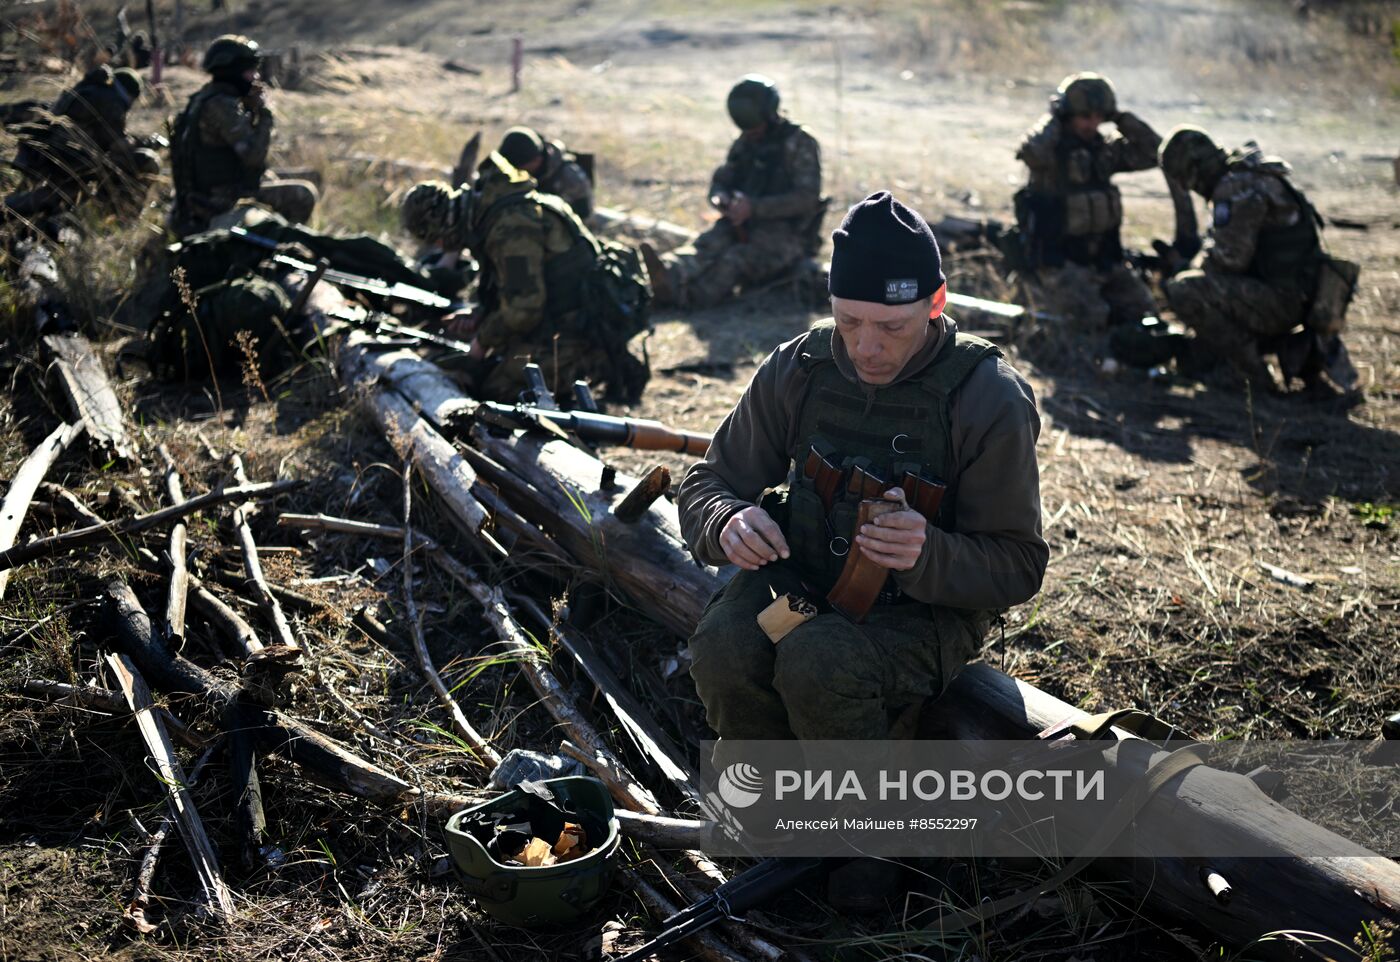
1222,213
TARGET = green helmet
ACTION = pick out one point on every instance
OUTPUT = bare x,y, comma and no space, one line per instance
1190,157
435,211
753,101
1085,93
520,145
231,52
541,895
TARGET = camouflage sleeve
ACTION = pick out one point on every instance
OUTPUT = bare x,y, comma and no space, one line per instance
1238,209
1037,150
727,174
575,187
224,120
803,156
515,250
1136,149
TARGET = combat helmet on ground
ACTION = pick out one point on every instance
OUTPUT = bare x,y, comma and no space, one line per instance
1085,93
753,101
556,892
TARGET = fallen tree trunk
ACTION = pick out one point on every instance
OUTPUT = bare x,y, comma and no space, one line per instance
1330,896
556,485
84,381
26,482
1333,896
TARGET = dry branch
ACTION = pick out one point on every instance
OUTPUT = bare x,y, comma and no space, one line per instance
105,700
252,567
653,485
213,892
111,531
26,482
479,746
179,573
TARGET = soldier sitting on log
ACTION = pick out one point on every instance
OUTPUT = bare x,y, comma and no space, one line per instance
892,398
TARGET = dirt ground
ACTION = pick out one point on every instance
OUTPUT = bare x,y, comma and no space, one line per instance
1163,498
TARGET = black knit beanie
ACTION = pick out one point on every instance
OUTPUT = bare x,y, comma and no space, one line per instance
884,252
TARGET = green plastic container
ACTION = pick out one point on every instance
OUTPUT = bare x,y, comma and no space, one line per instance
544,896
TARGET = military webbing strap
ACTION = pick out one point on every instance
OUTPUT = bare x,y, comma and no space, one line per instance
1157,775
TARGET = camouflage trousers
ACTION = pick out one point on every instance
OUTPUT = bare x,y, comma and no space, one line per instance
295,200
708,271
1089,299
828,678
1232,313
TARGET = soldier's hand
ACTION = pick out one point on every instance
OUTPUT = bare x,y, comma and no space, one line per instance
752,539
894,540
739,210
256,97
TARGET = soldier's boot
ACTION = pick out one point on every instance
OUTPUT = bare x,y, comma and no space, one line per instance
663,290
865,886
1249,363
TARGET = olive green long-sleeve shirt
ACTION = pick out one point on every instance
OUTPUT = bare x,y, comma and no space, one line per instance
995,558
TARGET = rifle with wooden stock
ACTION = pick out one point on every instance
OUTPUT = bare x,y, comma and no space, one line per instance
640,433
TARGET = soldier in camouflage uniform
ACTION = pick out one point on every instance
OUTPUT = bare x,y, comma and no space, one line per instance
769,193
556,170
218,153
536,259
1069,213
1253,283
890,386
81,147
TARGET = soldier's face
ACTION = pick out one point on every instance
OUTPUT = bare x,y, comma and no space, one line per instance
881,338
1085,125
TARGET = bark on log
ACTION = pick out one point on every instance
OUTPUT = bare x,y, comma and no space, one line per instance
111,531
553,480
324,760
214,893
134,914
179,573
613,219
105,700
26,482
1299,891
633,507
90,395
450,476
